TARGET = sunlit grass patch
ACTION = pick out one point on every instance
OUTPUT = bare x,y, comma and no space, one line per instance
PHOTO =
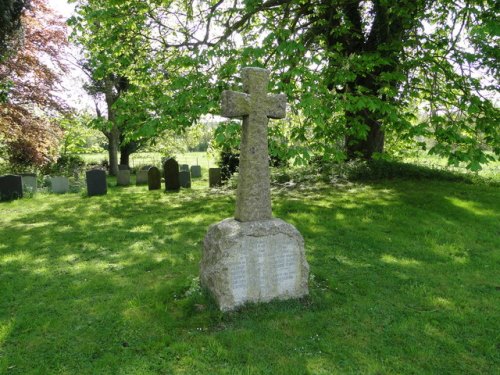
403,280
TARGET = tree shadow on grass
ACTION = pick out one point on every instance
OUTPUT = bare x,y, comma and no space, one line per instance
108,284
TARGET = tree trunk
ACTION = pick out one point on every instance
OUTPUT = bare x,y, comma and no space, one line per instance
127,149
114,141
364,147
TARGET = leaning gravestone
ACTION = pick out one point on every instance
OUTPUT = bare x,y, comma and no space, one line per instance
29,182
11,187
253,257
123,177
59,184
154,178
184,168
96,182
171,172
214,177
195,171
185,179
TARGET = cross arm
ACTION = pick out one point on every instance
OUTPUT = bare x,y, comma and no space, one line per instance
235,104
276,106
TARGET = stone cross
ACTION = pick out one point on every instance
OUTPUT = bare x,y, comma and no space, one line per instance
253,197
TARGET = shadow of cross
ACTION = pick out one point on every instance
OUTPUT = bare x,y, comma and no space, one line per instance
253,197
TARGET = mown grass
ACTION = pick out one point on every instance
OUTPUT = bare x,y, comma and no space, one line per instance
404,279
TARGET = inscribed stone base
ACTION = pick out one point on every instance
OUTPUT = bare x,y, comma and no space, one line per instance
254,261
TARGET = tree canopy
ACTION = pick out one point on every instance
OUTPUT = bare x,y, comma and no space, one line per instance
358,74
30,76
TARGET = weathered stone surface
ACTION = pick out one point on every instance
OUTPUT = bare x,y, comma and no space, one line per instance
183,168
195,171
214,177
123,177
154,178
253,200
11,187
96,182
29,182
253,261
185,179
171,172
141,177
59,184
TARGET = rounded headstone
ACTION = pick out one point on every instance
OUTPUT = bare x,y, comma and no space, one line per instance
154,178
171,172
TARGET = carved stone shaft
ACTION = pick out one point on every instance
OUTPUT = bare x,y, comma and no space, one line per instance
253,197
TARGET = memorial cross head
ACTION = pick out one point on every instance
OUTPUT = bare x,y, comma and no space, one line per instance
255,106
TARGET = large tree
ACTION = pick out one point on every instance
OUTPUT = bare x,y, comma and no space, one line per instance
147,88
356,72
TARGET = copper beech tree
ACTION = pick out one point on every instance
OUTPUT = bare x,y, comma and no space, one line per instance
30,76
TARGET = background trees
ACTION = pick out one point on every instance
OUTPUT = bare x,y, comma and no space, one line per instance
10,22
30,76
357,73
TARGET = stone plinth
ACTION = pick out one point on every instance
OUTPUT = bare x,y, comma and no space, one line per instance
254,261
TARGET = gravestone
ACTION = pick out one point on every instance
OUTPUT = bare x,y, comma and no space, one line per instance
96,182
253,257
123,177
11,187
171,172
141,177
123,167
154,178
214,177
59,184
29,182
185,179
195,171
184,168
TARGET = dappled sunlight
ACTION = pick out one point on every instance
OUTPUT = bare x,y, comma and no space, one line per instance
6,327
390,259
144,228
472,207
442,302
19,257
352,262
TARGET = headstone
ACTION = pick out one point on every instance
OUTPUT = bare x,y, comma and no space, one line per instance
195,171
59,184
11,187
29,182
96,182
154,178
171,172
123,177
214,177
185,179
123,167
184,168
253,257
141,177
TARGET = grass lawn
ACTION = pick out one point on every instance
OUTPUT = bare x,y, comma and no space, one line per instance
404,280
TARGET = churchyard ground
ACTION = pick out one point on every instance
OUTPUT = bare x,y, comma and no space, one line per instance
404,279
